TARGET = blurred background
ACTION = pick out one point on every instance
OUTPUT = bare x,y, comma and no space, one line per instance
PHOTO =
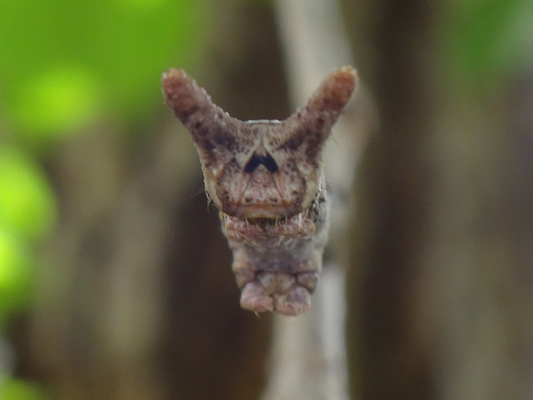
115,280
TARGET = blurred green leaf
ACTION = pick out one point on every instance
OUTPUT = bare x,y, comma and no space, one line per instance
486,37
15,274
27,203
15,389
57,101
65,61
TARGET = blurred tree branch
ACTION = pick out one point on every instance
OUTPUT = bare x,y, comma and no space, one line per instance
307,360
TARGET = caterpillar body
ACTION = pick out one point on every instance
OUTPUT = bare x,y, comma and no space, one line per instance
266,177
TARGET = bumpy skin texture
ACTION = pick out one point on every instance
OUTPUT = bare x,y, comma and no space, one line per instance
267,180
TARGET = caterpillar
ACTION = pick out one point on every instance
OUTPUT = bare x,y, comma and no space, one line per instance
266,178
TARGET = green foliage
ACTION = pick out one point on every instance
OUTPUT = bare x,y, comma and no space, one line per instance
58,100
64,62
27,213
15,275
488,38
27,204
13,389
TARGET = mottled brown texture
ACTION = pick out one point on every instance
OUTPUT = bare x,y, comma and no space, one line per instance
266,178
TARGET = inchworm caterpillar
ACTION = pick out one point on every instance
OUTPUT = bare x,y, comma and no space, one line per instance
266,178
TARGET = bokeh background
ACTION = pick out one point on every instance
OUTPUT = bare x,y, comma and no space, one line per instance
115,280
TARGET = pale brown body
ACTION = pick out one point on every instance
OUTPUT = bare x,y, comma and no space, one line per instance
266,178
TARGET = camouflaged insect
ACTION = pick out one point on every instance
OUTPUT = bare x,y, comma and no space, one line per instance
267,180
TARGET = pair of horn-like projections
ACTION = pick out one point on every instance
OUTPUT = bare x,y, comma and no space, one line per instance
231,150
